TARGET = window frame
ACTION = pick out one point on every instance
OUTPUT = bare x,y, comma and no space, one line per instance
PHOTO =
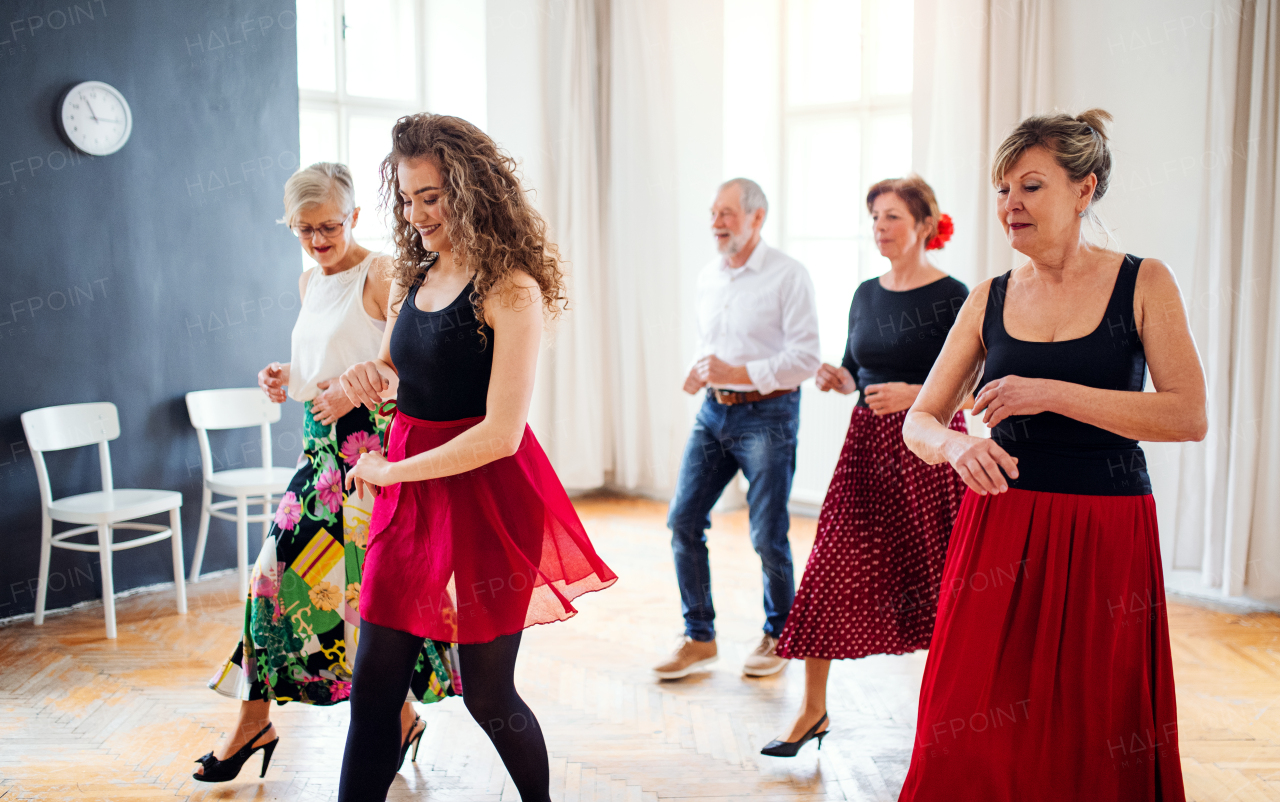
865,110
343,103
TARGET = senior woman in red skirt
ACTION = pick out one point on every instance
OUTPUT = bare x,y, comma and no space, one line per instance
472,538
1049,675
871,584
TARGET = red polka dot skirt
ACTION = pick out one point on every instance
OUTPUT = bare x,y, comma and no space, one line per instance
871,583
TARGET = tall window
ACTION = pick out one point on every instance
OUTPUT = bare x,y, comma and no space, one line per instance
846,123
817,106
364,63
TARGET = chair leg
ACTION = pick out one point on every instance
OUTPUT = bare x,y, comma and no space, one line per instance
46,546
108,585
266,512
179,580
242,544
202,535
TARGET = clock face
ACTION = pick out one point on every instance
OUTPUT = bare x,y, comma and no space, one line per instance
95,118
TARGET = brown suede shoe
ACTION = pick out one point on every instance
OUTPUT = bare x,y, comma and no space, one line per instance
692,655
764,660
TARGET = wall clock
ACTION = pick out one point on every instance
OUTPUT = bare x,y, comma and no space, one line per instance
95,118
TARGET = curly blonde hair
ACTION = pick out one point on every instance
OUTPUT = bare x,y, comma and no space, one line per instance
493,228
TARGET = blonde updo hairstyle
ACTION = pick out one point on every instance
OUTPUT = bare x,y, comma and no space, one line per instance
1078,144
316,185
916,194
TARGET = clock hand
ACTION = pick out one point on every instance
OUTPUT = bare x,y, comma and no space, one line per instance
91,114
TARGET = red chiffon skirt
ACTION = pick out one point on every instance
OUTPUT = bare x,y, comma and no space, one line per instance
470,557
1049,675
871,583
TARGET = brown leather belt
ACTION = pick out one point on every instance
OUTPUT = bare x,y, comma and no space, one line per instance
732,397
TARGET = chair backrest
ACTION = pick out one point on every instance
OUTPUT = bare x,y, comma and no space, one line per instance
233,408
71,426
237,408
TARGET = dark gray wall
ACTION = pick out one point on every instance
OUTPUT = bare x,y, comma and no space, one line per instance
137,277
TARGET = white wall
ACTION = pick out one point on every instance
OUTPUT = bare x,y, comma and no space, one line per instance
456,59
698,40
1146,62
514,82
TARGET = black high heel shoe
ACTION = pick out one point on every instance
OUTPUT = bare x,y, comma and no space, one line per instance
791,748
414,738
220,771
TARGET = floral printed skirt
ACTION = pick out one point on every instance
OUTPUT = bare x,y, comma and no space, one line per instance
302,618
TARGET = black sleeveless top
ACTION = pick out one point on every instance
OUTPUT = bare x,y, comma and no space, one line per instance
895,336
443,362
1057,454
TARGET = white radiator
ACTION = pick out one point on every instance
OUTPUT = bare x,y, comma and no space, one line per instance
824,420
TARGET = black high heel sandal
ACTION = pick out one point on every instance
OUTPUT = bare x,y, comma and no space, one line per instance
220,771
791,748
414,738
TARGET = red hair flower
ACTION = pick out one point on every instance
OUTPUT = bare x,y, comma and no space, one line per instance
945,229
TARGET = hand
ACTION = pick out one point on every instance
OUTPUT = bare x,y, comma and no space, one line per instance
1013,395
364,384
713,370
272,379
331,404
979,462
372,471
835,378
890,397
693,383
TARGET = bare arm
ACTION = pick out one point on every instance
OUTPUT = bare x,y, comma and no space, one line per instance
378,286
275,377
955,373
1174,412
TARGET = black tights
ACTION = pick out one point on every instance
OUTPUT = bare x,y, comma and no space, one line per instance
384,666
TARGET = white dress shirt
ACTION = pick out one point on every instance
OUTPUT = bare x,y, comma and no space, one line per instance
761,315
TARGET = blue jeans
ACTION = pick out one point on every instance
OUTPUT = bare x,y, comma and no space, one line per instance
760,439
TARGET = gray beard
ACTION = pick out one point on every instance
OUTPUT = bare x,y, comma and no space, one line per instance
735,246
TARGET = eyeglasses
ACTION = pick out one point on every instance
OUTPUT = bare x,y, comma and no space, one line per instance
328,230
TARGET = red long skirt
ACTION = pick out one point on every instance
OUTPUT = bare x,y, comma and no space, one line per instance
470,557
1049,675
871,583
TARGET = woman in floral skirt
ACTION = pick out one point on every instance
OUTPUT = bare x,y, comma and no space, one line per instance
302,617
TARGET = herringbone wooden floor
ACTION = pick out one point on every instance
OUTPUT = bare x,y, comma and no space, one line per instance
82,718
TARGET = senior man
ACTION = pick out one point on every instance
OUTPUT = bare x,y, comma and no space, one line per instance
758,340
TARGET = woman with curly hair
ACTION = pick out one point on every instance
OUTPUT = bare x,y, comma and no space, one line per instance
473,538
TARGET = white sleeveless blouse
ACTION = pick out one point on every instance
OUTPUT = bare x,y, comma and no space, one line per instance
333,331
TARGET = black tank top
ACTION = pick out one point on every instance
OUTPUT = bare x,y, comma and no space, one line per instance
895,336
1057,454
443,362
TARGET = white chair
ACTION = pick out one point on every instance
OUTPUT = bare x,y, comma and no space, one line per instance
240,408
73,426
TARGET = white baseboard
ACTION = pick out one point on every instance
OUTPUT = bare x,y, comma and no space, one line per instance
122,594
1187,586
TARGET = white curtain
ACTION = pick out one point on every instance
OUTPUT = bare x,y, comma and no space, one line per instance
646,363
1228,516
607,406
571,408
981,66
